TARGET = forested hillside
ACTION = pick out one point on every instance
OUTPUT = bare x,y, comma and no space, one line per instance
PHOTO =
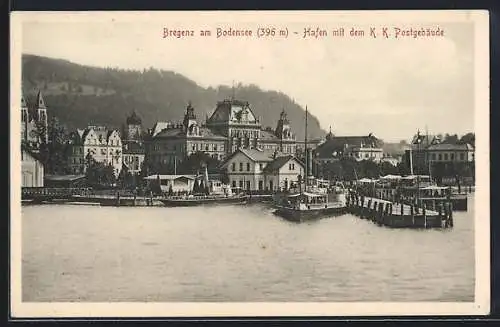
80,95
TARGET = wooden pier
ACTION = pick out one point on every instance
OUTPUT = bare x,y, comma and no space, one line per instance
399,215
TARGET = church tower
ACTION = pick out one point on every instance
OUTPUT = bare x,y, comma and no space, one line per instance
41,111
283,130
190,124
24,119
284,133
330,135
133,131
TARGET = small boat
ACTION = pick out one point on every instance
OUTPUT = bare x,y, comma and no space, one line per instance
307,206
196,200
315,200
215,193
418,188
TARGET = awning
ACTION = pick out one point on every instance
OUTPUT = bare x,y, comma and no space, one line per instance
168,177
433,187
313,195
391,177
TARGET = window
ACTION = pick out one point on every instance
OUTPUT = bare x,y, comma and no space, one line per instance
248,166
260,166
446,156
366,155
206,147
215,147
193,147
452,156
234,183
433,156
241,184
462,156
440,157
241,166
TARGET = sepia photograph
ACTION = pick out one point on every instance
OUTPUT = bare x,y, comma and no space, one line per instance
249,163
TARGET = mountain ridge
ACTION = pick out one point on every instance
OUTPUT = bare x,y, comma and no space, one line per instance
80,95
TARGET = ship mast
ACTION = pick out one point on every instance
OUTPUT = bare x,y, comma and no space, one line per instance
305,155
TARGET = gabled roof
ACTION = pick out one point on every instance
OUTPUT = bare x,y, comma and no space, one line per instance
258,155
160,126
279,162
253,154
339,144
451,147
228,109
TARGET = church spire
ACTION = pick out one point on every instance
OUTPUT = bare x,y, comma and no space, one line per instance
39,100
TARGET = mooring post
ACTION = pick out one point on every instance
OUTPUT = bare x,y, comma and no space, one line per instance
451,214
412,212
440,213
424,207
118,199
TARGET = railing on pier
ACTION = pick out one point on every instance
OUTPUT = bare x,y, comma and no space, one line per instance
52,192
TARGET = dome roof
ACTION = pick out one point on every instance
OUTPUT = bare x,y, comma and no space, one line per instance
133,119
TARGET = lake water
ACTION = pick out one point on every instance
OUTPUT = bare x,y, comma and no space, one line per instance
237,253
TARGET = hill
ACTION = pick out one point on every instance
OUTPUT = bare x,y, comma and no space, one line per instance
80,95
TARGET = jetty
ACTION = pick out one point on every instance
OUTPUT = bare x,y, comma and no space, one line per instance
399,215
38,195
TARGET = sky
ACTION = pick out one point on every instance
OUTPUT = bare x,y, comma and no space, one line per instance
357,85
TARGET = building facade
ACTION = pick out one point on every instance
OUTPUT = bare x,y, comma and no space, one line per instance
427,150
32,170
98,143
232,126
261,170
356,147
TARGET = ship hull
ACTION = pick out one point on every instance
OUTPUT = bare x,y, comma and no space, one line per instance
203,201
295,215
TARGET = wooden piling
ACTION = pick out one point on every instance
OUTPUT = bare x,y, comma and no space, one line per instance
425,215
450,214
412,212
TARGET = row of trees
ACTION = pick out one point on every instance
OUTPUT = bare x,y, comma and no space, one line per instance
350,169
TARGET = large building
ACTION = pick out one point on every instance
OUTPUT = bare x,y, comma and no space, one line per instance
427,150
232,126
98,143
262,170
357,147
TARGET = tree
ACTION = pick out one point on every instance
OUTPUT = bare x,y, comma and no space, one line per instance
387,168
197,161
469,138
57,148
